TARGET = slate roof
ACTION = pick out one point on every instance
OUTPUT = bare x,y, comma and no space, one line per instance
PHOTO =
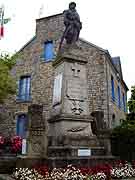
117,63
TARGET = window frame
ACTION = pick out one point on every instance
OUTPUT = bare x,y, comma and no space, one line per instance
18,119
119,96
26,96
49,57
124,102
112,88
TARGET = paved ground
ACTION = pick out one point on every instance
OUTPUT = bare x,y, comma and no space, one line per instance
5,177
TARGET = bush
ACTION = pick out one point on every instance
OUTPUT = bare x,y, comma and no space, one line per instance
123,140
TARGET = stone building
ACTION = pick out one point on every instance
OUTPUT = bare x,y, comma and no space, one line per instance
79,91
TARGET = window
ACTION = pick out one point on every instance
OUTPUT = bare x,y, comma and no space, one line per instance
48,50
124,102
119,102
24,88
112,86
21,125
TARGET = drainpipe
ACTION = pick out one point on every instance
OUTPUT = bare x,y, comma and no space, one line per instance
107,94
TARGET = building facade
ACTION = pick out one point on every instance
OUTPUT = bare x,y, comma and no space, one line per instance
35,72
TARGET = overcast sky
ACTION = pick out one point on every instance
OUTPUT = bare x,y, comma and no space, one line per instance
109,24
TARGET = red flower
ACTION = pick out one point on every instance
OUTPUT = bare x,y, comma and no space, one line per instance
41,169
16,144
105,168
2,140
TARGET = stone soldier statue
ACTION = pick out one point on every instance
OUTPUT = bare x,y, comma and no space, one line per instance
72,25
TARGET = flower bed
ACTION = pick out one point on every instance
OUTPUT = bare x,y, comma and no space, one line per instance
121,170
11,145
16,144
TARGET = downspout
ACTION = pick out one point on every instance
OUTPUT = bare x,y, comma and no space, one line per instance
107,94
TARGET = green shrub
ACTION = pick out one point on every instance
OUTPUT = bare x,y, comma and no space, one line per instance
123,140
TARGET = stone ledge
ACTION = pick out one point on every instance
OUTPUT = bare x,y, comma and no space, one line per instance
74,147
64,161
72,118
83,157
68,58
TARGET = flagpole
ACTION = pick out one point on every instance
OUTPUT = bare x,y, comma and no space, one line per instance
1,9
2,21
2,25
41,11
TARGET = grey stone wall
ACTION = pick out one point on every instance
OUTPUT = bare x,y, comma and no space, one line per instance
99,72
114,109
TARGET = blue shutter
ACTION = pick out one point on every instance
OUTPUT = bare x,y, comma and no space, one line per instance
119,102
112,85
21,125
27,89
124,103
19,91
48,50
22,88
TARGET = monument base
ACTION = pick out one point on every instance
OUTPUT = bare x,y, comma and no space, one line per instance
60,162
7,163
74,151
64,148
75,146
81,161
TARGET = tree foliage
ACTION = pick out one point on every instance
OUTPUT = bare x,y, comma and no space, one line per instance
7,82
123,136
131,102
123,140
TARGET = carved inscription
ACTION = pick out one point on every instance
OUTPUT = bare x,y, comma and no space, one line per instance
37,132
77,129
76,90
76,107
36,146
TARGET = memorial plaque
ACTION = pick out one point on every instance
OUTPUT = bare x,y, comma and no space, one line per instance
24,146
84,152
57,89
76,89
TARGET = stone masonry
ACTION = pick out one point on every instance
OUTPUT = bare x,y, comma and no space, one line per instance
98,70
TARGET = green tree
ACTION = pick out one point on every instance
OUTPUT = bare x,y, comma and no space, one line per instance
123,140
131,102
123,136
7,82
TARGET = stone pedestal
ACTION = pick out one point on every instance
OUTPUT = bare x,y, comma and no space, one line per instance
70,122
35,139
